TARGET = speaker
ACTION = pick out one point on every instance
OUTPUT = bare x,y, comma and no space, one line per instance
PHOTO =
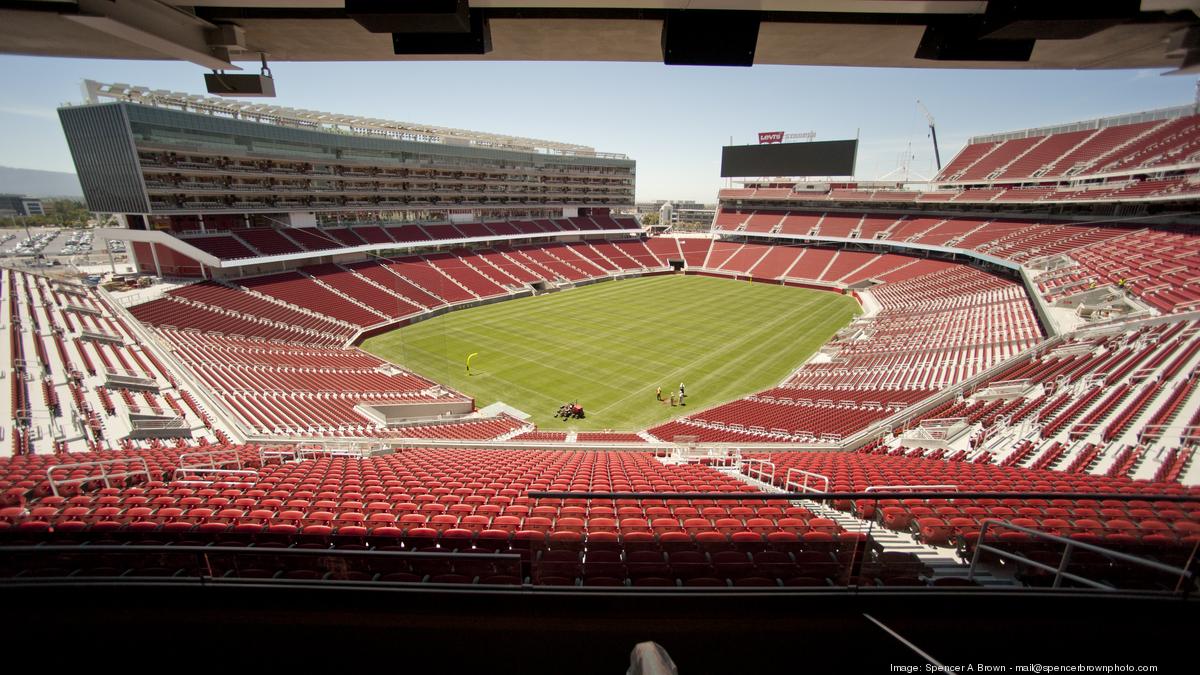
411,16
710,38
226,84
477,41
958,40
1041,20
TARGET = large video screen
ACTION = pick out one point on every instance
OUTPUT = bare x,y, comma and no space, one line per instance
816,158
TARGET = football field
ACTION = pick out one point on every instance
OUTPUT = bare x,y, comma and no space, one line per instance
608,345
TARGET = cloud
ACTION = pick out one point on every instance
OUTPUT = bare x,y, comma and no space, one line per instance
1143,74
25,111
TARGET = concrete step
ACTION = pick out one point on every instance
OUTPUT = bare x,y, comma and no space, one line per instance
943,561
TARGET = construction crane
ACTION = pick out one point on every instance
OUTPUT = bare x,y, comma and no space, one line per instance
937,156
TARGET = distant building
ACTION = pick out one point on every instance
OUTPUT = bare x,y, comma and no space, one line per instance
682,212
20,205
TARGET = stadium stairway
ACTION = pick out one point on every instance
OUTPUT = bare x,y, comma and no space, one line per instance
409,279
478,269
278,301
939,562
342,294
525,428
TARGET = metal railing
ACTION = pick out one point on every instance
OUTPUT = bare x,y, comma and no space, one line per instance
214,459
757,469
232,564
353,449
265,455
852,495
221,560
803,485
1069,546
105,476
180,474
906,488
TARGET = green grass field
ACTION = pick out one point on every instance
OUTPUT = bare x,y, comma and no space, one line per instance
610,344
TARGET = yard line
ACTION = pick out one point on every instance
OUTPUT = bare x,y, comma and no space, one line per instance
615,341
765,328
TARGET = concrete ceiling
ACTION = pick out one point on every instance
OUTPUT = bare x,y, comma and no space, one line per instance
1146,34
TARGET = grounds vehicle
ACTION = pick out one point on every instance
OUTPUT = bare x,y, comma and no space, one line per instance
570,411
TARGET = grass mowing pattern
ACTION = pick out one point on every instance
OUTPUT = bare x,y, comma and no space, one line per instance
610,344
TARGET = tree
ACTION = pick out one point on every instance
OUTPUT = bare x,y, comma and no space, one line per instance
64,212
650,219
69,212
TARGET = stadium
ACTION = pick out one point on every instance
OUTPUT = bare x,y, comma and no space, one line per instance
377,390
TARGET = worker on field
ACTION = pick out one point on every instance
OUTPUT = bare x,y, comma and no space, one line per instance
672,399
658,393
681,394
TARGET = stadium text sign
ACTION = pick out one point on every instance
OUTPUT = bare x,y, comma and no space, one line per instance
780,137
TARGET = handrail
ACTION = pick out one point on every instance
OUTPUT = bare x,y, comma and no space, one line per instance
788,482
1159,430
273,552
1061,572
364,448
211,456
877,488
758,466
793,496
205,562
272,453
104,474
185,471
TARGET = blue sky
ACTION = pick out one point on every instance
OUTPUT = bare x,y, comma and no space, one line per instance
672,120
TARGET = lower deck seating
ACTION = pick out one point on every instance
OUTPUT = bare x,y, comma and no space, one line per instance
939,324
1141,526
1160,267
453,501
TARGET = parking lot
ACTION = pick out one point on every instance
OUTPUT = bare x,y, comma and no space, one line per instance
44,246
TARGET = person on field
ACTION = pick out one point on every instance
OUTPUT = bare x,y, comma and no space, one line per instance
658,393
672,399
681,394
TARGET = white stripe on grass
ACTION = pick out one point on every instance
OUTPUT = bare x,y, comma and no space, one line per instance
609,344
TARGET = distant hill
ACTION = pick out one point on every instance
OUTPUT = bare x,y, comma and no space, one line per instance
36,183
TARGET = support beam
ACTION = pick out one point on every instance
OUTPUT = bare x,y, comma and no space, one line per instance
154,25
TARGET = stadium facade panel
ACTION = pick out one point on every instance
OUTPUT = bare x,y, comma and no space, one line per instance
143,159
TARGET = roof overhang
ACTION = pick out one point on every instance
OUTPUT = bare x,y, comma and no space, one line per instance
893,33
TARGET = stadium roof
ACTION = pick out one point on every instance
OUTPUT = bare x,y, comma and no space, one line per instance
932,33
327,121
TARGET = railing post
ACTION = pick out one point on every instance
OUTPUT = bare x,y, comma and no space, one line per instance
1062,565
1179,585
855,562
975,555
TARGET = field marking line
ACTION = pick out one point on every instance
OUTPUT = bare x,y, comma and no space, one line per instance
473,332
764,328
672,307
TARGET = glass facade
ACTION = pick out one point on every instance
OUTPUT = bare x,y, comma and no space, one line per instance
174,162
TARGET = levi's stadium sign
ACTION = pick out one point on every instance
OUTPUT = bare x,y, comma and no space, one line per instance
780,137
